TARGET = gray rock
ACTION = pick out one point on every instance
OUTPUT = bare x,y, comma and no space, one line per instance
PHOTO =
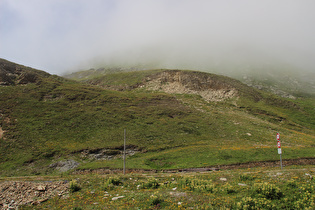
118,197
64,165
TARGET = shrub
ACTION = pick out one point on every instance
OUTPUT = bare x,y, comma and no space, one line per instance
269,191
150,184
155,201
307,197
246,177
111,182
196,185
74,186
249,203
185,182
114,181
229,189
292,184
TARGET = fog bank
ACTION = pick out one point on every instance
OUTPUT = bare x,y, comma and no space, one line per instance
211,35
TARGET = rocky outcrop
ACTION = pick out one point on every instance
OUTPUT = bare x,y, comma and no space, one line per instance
64,165
210,87
109,153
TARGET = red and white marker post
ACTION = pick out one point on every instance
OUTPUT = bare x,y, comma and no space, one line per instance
279,148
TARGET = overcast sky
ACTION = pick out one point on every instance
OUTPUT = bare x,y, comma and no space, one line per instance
67,35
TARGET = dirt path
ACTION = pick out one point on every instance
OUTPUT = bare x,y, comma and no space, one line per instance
300,161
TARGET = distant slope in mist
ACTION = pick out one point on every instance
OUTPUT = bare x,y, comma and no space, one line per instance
282,80
288,84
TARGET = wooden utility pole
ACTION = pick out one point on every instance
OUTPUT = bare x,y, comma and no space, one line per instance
124,151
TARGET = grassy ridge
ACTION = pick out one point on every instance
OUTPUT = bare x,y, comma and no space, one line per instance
56,119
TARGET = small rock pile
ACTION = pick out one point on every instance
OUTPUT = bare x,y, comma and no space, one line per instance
16,193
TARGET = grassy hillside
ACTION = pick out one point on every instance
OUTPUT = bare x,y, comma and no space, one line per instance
53,119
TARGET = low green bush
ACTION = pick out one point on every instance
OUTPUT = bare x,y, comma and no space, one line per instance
245,177
156,201
249,203
306,198
111,182
74,186
267,190
149,184
197,185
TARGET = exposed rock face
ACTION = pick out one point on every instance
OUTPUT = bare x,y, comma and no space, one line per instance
205,85
109,153
64,165
14,74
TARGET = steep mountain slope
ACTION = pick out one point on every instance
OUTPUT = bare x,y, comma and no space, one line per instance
52,123
210,87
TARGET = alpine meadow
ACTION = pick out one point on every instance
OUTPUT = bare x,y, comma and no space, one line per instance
174,119
184,131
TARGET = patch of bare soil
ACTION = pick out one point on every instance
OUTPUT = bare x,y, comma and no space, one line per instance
16,193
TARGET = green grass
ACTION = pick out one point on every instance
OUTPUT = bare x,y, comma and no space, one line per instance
199,156
259,188
124,78
57,119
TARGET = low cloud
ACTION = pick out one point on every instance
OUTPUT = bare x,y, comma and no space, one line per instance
211,35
